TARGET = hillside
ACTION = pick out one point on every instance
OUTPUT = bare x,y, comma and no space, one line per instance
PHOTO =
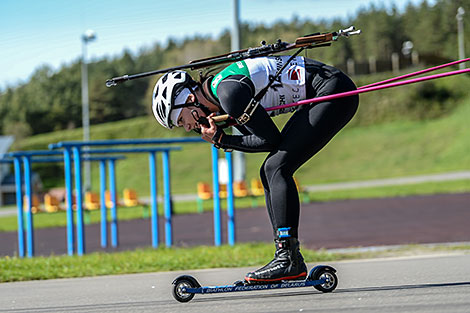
385,139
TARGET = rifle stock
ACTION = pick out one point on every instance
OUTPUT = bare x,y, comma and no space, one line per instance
314,39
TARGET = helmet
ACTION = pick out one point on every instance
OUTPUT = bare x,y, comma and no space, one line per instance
165,92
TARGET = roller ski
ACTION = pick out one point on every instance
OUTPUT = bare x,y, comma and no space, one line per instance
321,277
286,270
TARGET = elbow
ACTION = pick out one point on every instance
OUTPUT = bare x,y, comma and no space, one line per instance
273,143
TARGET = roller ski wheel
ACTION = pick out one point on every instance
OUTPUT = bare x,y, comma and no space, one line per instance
326,273
180,285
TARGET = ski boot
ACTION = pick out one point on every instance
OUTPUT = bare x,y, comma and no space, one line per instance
288,263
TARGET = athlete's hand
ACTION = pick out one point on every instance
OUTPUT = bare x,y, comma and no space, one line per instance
208,132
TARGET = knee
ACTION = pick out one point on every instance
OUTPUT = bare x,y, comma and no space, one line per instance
262,175
271,168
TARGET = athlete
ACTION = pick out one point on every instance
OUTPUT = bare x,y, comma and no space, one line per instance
178,101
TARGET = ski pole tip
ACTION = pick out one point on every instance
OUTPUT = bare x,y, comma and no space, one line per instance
110,83
116,80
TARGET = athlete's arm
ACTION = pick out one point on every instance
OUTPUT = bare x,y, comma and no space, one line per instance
235,92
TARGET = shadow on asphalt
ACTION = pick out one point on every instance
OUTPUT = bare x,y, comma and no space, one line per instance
403,287
350,290
97,307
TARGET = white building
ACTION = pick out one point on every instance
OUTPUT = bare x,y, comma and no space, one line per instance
6,188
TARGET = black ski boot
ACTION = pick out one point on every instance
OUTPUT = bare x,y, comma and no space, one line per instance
288,264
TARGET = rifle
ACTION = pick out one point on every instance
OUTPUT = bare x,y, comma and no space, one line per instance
306,42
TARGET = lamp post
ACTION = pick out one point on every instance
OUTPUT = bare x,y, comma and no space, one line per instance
238,157
87,37
459,16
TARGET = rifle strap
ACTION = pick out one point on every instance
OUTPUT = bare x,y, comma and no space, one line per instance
254,102
206,90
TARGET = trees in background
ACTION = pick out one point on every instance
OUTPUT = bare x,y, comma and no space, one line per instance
51,100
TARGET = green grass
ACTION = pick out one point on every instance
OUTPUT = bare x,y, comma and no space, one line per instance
391,149
403,145
141,260
44,220
457,186
164,259
398,148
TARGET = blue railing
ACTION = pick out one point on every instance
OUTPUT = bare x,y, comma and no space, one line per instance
73,151
28,157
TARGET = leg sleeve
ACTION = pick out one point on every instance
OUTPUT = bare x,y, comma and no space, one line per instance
304,135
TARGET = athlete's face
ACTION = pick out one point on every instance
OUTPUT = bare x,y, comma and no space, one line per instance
187,118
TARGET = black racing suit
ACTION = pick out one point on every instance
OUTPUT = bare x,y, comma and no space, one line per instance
309,129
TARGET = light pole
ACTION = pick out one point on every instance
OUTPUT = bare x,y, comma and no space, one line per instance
87,37
459,16
238,157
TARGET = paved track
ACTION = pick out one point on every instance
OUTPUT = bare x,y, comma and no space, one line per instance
338,224
419,284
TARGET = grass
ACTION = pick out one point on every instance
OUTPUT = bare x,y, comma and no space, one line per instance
457,186
45,220
402,146
391,149
141,260
164,259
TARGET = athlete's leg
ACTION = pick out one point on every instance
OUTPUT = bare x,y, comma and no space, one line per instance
267,193
305,134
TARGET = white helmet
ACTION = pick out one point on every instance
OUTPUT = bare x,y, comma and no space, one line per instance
165,92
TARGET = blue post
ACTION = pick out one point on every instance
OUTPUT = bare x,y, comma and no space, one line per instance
153,200
19,205
215,181
69,199
230,204
167,196
78,194
104,219
112,191
29,215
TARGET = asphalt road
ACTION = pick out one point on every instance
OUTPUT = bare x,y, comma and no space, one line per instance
439,283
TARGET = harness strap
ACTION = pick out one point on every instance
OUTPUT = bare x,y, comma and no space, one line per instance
249,110
206,90
254,102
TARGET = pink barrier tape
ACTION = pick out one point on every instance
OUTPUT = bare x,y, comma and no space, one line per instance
363,90
415,73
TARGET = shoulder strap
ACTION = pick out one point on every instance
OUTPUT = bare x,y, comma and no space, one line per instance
207,92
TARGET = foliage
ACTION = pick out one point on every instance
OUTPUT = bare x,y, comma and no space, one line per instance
52,100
